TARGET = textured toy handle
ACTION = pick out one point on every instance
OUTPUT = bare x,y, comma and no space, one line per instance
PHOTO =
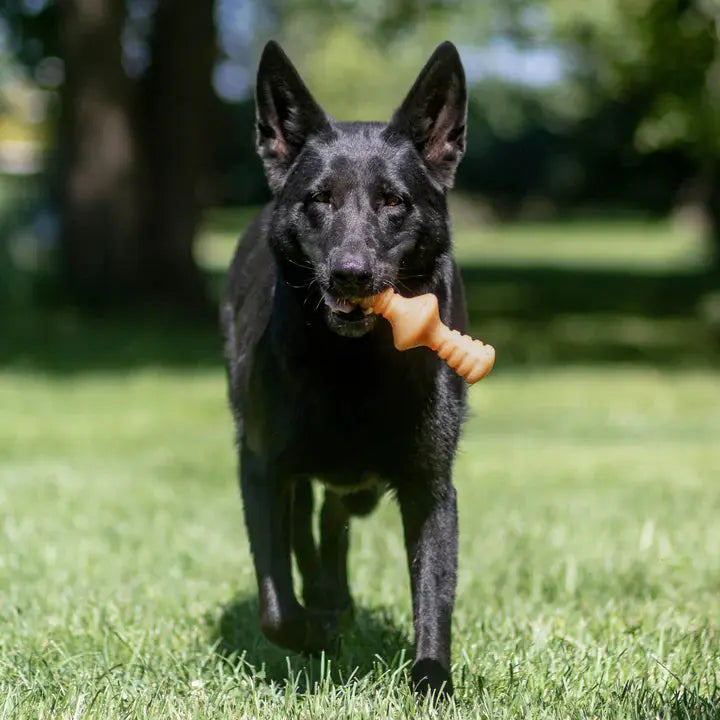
416,322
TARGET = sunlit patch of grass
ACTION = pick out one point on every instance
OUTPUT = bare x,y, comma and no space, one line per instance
589,565
610,244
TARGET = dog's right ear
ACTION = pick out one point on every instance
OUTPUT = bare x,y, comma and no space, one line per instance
286,114
434,113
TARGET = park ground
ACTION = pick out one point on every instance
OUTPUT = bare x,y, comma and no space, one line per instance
588,484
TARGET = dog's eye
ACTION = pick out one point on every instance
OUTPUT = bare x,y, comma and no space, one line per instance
321,197
391,200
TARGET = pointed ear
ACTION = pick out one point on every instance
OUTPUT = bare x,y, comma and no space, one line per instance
286,114
434,113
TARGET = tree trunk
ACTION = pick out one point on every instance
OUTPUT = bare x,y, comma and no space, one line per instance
178,134
98,190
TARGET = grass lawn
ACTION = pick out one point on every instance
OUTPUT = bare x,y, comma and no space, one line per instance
589,501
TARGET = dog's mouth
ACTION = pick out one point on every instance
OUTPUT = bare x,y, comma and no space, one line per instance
345,308
346,317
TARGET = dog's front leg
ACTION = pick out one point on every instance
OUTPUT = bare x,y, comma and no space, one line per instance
267,501
431,539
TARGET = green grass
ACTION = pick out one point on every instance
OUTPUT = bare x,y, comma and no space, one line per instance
641,244
589,581
589,565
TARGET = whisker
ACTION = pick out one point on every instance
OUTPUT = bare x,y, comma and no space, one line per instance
314,281
304,265
410,277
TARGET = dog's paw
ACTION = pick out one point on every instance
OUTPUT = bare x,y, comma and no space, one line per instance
326,628
302,631
323,633
430,677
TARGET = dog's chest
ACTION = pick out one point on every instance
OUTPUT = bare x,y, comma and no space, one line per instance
358,415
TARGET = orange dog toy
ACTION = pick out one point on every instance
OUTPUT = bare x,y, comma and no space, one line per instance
416,322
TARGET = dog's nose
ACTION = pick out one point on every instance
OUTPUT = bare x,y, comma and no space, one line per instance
351,274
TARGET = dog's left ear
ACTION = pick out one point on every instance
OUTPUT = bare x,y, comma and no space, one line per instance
286,114
434,113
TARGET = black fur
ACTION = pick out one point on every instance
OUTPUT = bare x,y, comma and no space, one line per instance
317,389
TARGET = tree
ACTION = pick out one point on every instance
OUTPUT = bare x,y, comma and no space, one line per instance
99,172
177,132
133,151
665,53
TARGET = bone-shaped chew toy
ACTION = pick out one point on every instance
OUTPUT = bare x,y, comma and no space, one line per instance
416,321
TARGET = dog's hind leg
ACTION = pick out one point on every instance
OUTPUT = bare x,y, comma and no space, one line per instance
324,574
334,546
334,596
267,500
304,545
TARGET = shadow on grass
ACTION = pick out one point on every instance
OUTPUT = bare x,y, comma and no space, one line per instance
542,292
68,340
542,317
534,317
376,647
373,644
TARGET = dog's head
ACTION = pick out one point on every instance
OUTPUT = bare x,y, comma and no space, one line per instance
360,206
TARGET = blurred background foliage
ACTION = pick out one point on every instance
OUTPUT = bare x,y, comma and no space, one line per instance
126,142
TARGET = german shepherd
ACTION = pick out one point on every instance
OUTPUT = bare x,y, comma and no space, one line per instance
317,390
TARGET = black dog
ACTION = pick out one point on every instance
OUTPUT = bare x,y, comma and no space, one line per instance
317,389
